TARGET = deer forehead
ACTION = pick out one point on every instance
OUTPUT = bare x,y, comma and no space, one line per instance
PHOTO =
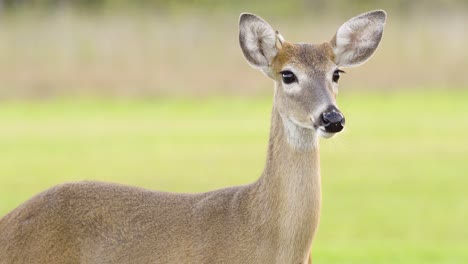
306,57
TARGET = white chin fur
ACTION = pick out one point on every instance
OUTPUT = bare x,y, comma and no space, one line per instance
323,134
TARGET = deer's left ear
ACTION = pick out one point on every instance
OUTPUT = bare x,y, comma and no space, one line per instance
356,40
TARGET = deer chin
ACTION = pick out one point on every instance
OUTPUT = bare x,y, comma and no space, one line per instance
324,134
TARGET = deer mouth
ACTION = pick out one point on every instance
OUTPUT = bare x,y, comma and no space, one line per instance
324,134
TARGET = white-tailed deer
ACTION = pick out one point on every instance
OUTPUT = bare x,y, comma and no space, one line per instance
272,220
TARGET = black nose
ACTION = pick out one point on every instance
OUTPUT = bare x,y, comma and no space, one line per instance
332,120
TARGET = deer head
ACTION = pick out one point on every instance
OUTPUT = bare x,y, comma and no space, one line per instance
306,75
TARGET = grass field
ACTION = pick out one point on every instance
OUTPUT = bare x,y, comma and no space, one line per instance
395,182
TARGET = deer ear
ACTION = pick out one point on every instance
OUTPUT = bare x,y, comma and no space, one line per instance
258,42
356,40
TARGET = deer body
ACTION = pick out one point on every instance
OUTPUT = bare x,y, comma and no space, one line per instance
91,222
272,220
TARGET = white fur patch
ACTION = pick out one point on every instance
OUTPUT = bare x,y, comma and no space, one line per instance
292,88
299,137
260,41
324,134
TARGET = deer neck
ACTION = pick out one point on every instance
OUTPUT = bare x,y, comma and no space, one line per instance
289,189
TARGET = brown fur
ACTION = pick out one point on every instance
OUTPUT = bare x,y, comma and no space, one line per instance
92,222
305,56
272,220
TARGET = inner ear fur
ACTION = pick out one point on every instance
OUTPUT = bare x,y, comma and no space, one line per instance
356,40
258,41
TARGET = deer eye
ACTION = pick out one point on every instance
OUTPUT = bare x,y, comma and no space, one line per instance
336,75
288,77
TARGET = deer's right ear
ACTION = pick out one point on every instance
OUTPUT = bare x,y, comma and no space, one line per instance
258,42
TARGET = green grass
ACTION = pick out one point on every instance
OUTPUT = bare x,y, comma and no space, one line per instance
394,182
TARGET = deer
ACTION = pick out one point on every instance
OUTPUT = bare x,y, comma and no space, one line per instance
272,220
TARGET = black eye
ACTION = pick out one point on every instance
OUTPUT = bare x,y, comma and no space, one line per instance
336,75
288,77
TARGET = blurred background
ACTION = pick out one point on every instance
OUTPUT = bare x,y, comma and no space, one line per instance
157,94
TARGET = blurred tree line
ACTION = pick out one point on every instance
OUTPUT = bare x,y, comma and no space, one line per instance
290,7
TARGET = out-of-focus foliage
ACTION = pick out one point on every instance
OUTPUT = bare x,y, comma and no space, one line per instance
290,7
152,48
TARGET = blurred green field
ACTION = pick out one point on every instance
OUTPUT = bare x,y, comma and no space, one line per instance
394,182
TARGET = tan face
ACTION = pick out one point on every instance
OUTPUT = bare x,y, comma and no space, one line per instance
306,79
306,75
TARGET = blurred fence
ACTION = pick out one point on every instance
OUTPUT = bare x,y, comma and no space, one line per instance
185,48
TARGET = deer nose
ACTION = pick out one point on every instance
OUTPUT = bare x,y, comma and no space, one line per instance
333,120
